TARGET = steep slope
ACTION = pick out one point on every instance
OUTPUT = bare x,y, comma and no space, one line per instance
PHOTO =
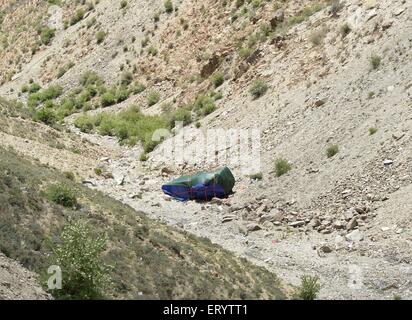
149,260
18,283
335,75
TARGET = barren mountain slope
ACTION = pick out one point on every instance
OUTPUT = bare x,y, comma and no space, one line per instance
17,282
335,102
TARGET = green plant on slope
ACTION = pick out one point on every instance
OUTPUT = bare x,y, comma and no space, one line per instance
309,288
282,166
63,195
79,254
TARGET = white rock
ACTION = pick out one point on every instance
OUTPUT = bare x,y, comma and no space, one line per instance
354,236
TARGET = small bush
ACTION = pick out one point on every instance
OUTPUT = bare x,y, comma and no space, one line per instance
34,87
100,36
373,130
138,88
126,78
258,88
46,115
256,176
98,171
84,123
123,4
375,61
152,51
143,157
309,288
218,79
332,150
204,105
62,195
79,15
90,78
79,254
153,98
69,175
168,6
345,29
180,115
316,38
282,166
46,35
108,99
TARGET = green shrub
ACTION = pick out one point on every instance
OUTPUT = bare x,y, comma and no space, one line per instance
98,171
79,254
62,195
126,78
282,166
332,150
204,105
79,15
168,6
138,88
375,61
309,288
218,79
100,36
180,115
46,35
345,29
258,88
108,99
46,115
152,51
123,4
69,175
90,78
373,130
85,123
34,87
153,98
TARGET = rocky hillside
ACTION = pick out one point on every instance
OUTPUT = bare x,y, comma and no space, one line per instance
17,282
326,83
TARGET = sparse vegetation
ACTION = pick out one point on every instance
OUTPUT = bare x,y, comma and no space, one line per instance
62,195
309,288
79,254
100,36
258,88
372,130
153,98
46,35
168,6
282,166
218,79
123,4
316,37
345,29
79,15
140,249
332,150
128,126
375,61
